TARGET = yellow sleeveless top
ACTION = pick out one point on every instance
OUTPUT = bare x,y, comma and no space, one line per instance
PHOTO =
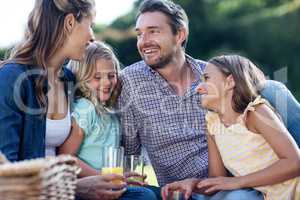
244,152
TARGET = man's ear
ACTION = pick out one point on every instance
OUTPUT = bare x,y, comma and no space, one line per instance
230,83
69,23
181,35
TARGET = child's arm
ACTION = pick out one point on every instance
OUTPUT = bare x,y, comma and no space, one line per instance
215,163
265,122
187,186
71,146
216,167
272,129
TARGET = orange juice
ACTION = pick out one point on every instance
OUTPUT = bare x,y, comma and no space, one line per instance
113,170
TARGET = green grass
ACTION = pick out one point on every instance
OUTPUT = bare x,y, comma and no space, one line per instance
151,177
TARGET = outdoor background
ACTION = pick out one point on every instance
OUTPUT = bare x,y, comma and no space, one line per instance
266,31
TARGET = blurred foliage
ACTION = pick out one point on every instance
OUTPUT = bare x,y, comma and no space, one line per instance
124,22
2,53
98,28
266,31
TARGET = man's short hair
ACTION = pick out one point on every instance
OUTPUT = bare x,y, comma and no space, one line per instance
177,17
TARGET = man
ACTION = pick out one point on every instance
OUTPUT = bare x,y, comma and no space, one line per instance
160,108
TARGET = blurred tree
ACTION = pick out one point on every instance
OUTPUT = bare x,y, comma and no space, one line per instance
266,31
98,28
2,53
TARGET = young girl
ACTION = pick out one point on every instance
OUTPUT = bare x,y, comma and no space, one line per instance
94,125
245,135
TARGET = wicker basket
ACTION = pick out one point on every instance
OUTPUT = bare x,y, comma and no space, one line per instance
52,178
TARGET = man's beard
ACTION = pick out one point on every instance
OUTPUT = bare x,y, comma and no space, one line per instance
161,62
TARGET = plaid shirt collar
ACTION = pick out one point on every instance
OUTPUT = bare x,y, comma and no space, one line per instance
196,69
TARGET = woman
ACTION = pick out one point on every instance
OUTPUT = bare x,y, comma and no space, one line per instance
36,89
35,85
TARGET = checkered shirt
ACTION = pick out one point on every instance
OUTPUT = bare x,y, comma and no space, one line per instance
170,127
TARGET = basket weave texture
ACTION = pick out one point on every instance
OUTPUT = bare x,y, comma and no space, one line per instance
51,178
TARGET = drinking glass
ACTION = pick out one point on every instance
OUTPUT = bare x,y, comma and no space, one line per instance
113,160
135,164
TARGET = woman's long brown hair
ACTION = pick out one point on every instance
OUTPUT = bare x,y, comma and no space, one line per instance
45,34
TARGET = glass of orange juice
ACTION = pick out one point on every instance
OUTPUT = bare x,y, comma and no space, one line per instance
113,159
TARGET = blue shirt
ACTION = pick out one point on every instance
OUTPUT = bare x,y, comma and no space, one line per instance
285,104
22,126
172,128
100,131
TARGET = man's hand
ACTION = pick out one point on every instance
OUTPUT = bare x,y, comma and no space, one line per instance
185,186
133,178
100,187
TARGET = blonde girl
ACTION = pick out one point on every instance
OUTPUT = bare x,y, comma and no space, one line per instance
94,124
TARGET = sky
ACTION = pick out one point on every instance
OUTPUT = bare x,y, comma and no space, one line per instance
14,13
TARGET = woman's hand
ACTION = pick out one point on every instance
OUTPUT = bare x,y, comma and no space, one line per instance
212,185
100,187
185,186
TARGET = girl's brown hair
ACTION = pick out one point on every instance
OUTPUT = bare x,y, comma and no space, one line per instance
84,71
249,79
45,34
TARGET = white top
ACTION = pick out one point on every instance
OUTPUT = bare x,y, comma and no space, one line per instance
57,132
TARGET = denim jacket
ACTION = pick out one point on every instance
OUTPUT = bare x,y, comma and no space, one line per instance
22,127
